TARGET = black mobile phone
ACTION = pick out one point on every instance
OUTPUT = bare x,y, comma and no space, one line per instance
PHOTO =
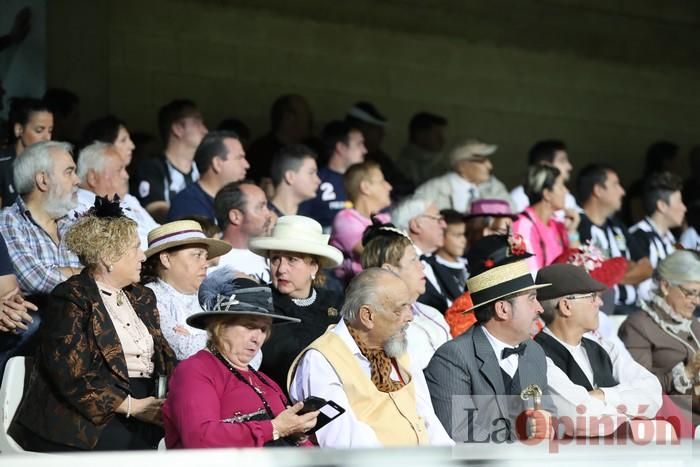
311,404
329,411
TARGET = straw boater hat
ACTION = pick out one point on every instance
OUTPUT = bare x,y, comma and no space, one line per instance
498,262
298,234
180,233
223,294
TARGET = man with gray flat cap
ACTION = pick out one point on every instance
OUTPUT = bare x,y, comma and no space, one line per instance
581,373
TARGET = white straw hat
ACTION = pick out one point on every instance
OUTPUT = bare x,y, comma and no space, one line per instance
180,233
298,234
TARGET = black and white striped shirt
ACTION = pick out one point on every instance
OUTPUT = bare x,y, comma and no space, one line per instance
654,245
613,241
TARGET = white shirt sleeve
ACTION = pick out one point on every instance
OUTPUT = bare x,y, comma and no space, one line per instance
424,406
639,391
598,418
345,431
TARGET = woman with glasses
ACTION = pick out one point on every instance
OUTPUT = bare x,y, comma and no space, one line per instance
664,336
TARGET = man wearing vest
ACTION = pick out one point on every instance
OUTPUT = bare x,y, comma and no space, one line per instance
477,379
603,379
361,364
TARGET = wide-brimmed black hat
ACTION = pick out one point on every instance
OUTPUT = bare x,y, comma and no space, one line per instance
224,294
498,269
566,279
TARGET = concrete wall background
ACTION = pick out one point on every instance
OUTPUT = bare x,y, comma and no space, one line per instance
608,77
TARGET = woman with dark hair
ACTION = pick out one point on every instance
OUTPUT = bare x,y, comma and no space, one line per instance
101,353
29,121
297,250
110,130
544,235
176,264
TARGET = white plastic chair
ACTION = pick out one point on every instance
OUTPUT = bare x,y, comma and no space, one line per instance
11,391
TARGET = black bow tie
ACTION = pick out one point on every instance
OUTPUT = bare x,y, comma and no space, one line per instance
507,352
424,257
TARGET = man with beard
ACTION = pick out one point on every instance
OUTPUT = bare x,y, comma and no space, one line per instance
476,380
33,228
242,213
362,365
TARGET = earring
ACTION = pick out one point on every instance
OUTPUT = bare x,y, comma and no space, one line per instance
110,268
313,277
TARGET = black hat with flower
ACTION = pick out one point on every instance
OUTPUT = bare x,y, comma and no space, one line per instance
497,269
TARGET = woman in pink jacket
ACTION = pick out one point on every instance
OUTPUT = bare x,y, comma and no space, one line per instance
216,399
545,235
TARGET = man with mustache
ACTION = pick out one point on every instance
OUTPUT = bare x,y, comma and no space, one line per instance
46,181
362,365
33,228
476,380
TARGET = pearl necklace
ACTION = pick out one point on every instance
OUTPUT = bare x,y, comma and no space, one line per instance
306,301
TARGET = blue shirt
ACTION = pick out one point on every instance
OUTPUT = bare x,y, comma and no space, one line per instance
192,201
330,199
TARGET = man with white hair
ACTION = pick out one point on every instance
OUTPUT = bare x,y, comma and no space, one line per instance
471,178
33,227
102,172
422,221
362,365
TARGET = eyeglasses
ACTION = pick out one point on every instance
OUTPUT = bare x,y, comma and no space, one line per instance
435,218
592,296
689,294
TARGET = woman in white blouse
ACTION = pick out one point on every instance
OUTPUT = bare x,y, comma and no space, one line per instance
176,265
390,248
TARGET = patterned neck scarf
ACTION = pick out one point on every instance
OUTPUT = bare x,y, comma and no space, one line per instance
380,365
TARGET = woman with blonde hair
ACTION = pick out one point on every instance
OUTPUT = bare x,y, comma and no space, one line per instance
101,352
297,251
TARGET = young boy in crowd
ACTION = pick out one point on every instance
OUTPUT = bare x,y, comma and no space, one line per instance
448,262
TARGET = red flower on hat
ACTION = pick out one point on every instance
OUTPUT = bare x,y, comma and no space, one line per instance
489,263
608,271
517,245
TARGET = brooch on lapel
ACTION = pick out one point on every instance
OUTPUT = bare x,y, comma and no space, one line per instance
332,312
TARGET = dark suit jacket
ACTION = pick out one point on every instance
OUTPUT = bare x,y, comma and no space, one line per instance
467,389
80,375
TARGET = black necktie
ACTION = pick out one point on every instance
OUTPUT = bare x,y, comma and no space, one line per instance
507,352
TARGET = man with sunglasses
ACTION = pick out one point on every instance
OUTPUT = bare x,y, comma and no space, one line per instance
595,384
471,178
